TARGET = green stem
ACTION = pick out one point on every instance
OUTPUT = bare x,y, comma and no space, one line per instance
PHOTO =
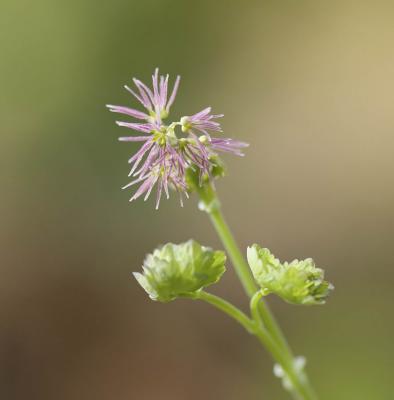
228,308
300,386
255,327
210,203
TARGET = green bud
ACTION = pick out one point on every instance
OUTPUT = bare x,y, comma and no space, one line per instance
163,114
298,282
218,167
185,124
193,180
177,270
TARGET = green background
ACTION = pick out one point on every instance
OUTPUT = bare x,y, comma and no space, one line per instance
309,84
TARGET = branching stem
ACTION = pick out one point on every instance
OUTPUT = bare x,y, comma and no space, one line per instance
268,332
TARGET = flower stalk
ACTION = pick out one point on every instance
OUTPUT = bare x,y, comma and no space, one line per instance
226,307
298,385
270,334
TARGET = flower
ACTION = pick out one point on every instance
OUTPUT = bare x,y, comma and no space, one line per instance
177,270
163,171
228,145
166,155
202,121
298,282
154,100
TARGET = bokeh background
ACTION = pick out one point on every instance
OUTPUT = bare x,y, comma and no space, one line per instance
308,83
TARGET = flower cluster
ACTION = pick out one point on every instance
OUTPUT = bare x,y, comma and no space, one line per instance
165,155
297,282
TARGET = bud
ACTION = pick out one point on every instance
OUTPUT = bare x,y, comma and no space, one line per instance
218,168
195,181
298,365
177,270
298,282
185,124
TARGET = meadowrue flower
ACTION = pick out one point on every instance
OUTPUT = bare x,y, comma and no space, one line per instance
166,155
154,100
202,122
297,282
228,146
177,270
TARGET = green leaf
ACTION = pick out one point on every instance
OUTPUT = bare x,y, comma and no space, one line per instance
177,270
297,282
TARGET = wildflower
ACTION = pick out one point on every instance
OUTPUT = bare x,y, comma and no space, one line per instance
164,172
165,155
177,270
202,122
228,145
154,100
298,282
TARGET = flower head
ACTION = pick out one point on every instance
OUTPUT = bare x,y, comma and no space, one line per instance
176,270
298,282
166,155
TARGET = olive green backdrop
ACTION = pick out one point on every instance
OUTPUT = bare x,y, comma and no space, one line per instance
308,83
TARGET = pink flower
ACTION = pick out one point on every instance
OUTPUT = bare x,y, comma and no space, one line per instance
163,158
202,122
154,100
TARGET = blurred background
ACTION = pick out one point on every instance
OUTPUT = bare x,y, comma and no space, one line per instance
308,83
